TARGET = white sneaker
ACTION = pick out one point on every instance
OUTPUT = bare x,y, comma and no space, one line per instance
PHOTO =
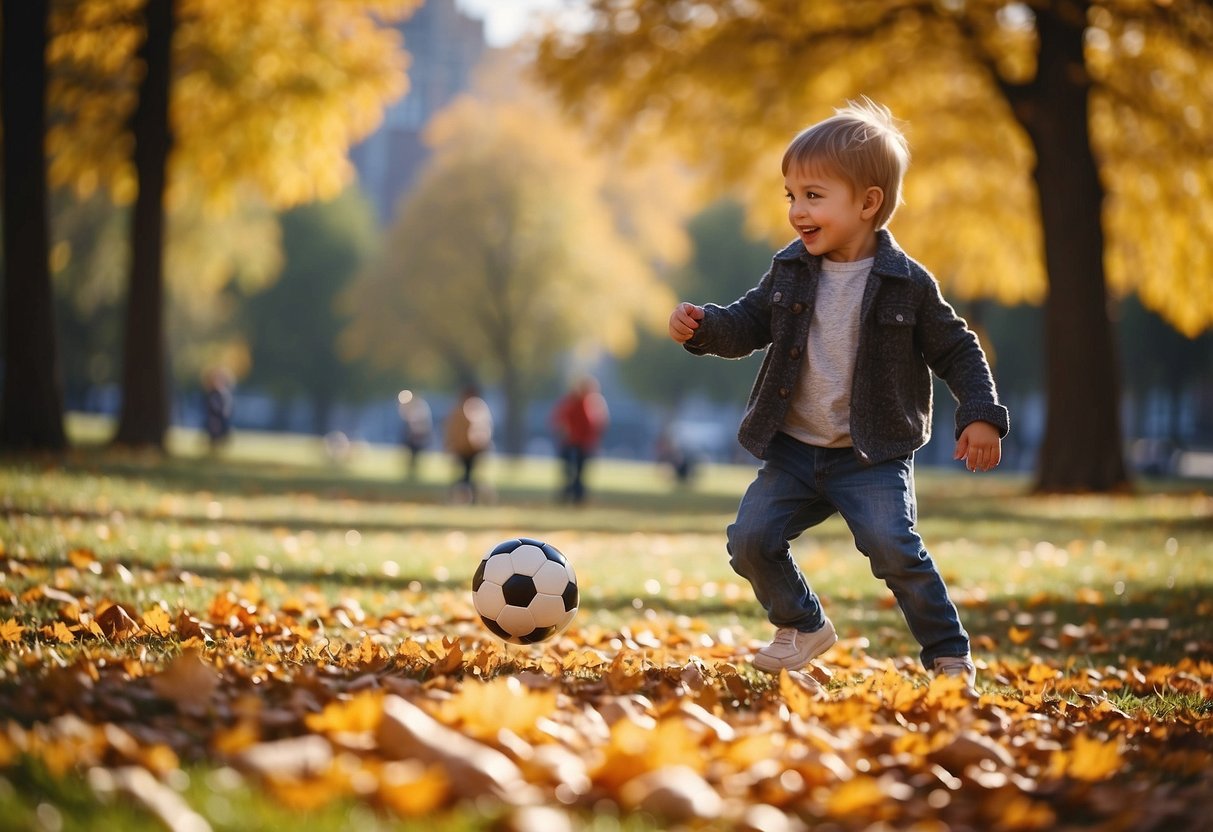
961,666
791,649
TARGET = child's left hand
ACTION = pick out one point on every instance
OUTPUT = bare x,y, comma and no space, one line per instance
979,446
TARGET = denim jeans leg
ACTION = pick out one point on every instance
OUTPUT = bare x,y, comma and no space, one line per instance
880,507
779,504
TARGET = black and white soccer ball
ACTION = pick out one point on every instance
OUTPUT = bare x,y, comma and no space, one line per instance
525,591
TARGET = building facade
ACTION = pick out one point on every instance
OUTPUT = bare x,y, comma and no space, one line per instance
445,46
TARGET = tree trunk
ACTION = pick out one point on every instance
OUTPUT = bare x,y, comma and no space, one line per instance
145,400
31,417
1082,449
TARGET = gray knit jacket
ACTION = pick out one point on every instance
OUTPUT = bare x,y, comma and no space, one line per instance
907,330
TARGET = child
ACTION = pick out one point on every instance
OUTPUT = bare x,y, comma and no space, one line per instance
852,329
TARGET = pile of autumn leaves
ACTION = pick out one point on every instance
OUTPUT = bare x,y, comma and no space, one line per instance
418,714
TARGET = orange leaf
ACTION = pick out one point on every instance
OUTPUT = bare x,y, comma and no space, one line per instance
81,558
1019,635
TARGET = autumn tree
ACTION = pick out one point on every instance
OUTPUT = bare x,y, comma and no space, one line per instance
1058,137
31,415
254,101
519,244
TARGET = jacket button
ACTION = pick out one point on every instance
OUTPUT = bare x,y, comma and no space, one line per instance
797,308
900,317
794,352
783,392
777,297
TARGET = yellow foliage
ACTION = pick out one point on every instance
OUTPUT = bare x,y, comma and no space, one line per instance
757,72
523,241
267,95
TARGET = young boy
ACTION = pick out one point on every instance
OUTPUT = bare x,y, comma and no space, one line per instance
852,329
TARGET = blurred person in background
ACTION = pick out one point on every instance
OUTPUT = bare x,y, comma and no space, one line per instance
417,428
468,434
217,407
579,419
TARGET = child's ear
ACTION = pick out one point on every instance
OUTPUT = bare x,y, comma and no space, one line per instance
873,198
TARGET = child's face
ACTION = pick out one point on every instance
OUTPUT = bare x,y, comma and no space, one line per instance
830,217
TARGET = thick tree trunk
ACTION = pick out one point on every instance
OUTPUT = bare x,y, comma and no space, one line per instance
1082,448
31,417
145,399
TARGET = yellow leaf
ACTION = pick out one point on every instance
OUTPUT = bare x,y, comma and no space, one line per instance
10,631
157,622
1019,635
59,632
1042,673
81,558
241,736
362,713
309,794
855,796
413,790
1088,759
483,710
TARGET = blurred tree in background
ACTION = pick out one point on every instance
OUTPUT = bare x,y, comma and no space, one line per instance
518,244
1055,138
724,263
212,105
292,328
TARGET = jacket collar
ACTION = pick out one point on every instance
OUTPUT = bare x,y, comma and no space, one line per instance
890,261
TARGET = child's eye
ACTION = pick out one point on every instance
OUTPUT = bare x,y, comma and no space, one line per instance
789,197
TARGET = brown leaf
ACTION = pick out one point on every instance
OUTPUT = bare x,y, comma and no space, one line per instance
296,758
188,681
116,623
676,792
407,732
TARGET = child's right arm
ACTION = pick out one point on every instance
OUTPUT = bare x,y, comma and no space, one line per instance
684,320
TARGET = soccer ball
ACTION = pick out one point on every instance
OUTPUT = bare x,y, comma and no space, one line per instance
525,591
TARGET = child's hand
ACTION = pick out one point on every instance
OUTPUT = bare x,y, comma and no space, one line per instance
684,320
979,446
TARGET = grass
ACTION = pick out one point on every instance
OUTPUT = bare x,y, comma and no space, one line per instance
1089,584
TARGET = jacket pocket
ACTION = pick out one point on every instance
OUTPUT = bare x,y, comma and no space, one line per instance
895,332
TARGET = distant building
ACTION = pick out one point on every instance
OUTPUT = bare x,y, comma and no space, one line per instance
445,46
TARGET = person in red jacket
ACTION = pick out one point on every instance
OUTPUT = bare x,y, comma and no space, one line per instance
579,420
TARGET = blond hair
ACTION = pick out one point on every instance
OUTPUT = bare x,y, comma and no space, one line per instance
863,144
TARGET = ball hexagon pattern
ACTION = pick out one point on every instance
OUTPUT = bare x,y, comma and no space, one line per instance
525,591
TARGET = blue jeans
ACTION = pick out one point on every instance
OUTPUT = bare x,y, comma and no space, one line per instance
801,485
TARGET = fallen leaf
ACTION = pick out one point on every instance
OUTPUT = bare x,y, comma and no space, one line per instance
10,631
407,732
188,681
